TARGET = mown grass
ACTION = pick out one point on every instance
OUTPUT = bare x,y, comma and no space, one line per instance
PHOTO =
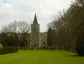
41,57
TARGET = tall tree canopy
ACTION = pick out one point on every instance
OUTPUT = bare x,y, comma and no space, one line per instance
69,27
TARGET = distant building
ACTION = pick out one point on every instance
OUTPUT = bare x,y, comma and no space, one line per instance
33,40
43,44
35,33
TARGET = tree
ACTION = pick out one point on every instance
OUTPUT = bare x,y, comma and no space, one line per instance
57,22
49,38
16,26
80,2
69,27
57,31
74,24
80,48
23,27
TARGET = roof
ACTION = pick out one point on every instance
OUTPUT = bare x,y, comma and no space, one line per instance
35,20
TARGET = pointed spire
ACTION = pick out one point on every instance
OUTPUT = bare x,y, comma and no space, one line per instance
35,20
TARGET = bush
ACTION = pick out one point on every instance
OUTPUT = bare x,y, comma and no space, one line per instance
80,48
1,48
8,49
12,49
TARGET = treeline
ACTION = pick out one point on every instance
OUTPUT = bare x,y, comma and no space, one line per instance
14,36
17,30
67,30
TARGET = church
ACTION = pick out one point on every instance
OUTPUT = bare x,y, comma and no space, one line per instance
35,33
36,40
33,40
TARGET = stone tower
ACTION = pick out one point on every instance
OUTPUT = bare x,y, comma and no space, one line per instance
35,33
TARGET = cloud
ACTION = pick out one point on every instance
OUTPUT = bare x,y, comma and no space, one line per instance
8,5
25,10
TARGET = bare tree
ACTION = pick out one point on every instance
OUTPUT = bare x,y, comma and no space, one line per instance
80,2
16,26
23,27
57,22
56,33
5,29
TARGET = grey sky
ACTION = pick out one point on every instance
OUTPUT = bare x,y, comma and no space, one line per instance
24,10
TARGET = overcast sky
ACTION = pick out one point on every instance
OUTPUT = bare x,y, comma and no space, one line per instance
24,10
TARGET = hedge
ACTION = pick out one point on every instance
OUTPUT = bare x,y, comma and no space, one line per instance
11,49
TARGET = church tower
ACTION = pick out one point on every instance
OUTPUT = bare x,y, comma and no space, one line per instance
35,33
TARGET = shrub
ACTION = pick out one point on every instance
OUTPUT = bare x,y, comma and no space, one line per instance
11,49
1,48
80,48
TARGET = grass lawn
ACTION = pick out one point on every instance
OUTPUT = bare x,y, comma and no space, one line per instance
41,57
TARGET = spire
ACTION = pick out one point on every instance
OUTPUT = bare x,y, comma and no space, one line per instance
35,20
